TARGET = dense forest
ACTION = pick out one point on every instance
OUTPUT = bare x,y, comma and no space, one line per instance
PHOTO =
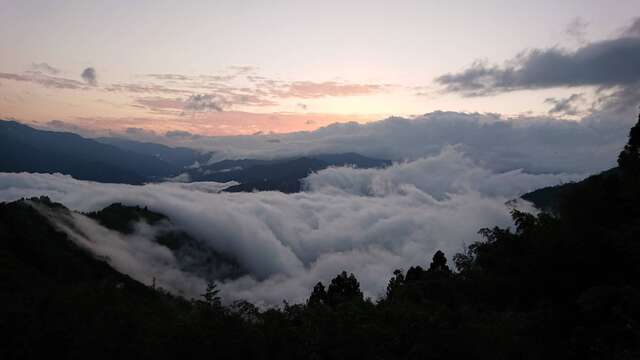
564,283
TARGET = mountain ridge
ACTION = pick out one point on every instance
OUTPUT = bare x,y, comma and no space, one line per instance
118,160
26,149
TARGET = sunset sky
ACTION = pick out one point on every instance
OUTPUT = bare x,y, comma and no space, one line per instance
244,67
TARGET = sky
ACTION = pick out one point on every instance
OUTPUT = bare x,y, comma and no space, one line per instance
247,67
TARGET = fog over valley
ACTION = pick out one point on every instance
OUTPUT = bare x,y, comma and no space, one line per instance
366,221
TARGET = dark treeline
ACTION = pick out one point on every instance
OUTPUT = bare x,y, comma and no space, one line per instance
562,284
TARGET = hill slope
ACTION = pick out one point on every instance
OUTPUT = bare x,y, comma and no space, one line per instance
30,150
192,255
57,299
550,198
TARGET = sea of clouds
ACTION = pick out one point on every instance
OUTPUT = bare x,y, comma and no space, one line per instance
365,221
453,174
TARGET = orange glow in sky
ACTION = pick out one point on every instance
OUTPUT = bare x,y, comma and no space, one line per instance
226,68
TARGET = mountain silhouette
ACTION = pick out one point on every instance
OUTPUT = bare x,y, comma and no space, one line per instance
282,175
25,149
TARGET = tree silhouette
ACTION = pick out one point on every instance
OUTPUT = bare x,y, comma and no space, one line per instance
210,296
395,283
439,263
629,158
319,295
415,273
344,288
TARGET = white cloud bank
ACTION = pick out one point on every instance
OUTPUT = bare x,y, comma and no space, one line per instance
537,145
369,222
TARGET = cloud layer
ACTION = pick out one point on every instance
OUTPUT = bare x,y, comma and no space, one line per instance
603,64
89,76
135,254
537,145
369,222
203,103
445,173
48,81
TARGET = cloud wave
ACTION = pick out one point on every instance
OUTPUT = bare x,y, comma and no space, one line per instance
369,222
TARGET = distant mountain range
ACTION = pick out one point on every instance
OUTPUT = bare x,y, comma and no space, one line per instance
277,175
25,149
177,156
116,160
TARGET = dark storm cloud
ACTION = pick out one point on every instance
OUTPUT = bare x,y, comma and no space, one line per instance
633,29
622,99
45,80
203,103
89,76
565,106
604,64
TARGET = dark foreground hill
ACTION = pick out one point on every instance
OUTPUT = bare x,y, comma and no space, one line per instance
562,285
57,300
550,198
25,149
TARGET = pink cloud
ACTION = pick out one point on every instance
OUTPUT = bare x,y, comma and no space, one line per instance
309,89
215,123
